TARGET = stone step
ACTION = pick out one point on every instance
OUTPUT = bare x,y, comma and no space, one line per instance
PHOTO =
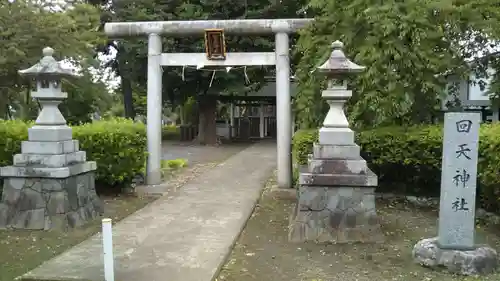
35,172
50,133
49,148
337,166
50,161
327,151
336,136
368,179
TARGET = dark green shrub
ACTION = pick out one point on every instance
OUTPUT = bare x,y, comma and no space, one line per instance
117,145
408,160
11,135
489,166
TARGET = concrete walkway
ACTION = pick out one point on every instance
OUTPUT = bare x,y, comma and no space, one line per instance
184,236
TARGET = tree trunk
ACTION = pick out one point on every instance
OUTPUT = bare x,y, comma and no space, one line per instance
207,133
3,103
181,115
25,105
126,83
128,101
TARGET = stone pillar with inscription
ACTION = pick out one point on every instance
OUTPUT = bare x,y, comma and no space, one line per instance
50,184
455,247
336,201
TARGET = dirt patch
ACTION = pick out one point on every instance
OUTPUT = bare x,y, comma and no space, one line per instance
23,250
263,252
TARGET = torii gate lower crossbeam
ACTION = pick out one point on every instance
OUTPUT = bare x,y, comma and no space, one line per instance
280,27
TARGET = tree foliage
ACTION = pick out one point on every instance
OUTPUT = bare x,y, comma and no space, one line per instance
408,48
26,27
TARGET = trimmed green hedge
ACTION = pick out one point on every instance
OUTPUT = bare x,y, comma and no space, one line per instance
170,132
408,160
117,145
302,144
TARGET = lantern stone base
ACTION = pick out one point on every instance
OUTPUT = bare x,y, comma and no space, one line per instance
335,214
336,198
50,186
41,203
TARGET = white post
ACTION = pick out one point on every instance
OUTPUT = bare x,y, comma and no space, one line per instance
154,110
265,125
283,111
261,120
231,118
107,246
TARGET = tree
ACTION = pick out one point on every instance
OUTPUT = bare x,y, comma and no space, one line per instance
72,33
407,47
85,97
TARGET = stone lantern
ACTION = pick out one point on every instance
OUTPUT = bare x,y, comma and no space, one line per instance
336,197
337,69
50,185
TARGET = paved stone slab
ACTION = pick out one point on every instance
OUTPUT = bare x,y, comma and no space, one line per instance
357,180
327,151
181,237
48,147
337,166
41,172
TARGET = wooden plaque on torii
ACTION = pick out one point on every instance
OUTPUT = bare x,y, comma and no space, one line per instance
215,44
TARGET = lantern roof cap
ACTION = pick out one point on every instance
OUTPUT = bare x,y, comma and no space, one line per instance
338,63
47,67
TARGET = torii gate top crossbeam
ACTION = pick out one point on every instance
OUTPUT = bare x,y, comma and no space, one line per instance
245,26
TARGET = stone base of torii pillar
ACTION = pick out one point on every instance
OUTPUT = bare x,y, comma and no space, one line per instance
336,200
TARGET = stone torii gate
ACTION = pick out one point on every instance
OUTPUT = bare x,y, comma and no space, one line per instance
156,59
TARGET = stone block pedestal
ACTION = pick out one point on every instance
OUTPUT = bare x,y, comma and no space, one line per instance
336,201
49,203
335,214
50,186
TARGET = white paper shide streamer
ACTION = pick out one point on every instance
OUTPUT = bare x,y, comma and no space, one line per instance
227,69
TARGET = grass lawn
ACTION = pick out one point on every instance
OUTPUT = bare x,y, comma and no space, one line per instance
264,253
21,251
